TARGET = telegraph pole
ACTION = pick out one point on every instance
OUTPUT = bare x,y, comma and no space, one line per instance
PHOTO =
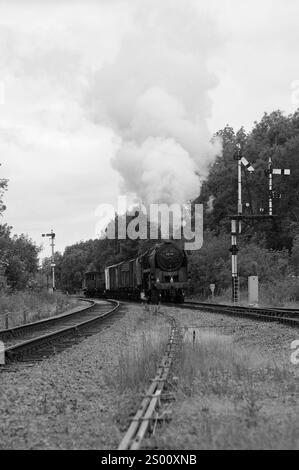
52,236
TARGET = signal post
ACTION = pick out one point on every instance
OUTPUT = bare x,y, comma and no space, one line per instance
236,220
52,236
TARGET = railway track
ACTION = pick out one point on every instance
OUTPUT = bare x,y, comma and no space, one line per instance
39,337
281,315
148,414
288,316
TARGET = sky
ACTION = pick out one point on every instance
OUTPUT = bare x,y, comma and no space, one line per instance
102,98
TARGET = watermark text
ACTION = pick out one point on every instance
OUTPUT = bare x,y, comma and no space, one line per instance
155,221
295,354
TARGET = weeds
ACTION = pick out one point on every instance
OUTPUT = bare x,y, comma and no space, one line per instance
274,293
138,360
225,400
24,307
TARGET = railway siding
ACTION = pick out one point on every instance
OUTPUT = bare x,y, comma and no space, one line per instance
285,316
149,412
237,387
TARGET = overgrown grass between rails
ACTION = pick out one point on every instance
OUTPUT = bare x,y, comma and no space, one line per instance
139,358
231,398
25,307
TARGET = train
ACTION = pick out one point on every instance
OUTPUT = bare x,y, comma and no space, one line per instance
159,274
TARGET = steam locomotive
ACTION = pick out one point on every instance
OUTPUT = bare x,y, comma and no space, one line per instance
161,273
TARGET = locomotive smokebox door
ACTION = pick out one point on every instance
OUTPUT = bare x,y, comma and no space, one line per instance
169,257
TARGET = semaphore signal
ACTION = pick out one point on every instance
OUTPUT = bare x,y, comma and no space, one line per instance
270,172
234,249
236,219
247,165
282,172
241,161
52,236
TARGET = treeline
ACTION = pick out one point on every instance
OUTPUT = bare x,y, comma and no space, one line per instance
18,255
269,249
92,254
277,269
18,260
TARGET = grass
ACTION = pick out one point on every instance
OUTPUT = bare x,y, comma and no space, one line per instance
137,363
284,293
138,360
231,398
25,307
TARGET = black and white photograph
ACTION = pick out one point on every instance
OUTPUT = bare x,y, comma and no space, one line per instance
149,230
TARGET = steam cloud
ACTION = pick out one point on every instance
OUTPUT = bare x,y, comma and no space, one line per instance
156,96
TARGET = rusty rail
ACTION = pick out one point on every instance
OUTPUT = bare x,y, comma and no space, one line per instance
286,316
39,341
148,413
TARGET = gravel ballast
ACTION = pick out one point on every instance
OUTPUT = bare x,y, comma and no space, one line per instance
73,401
237,386
69,401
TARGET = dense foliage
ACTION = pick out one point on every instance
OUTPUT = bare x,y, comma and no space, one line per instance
19,259
18,254
277,136
70,267
3,187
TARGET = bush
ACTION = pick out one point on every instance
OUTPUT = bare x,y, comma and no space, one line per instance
279,292
212,264
25,307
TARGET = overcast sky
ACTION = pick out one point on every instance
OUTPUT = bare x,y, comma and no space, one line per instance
83,87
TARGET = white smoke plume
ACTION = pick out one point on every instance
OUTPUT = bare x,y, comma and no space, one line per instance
156,96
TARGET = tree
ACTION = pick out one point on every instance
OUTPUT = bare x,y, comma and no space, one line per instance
46,271
277,136
19,256
210,264
73,267
295,255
